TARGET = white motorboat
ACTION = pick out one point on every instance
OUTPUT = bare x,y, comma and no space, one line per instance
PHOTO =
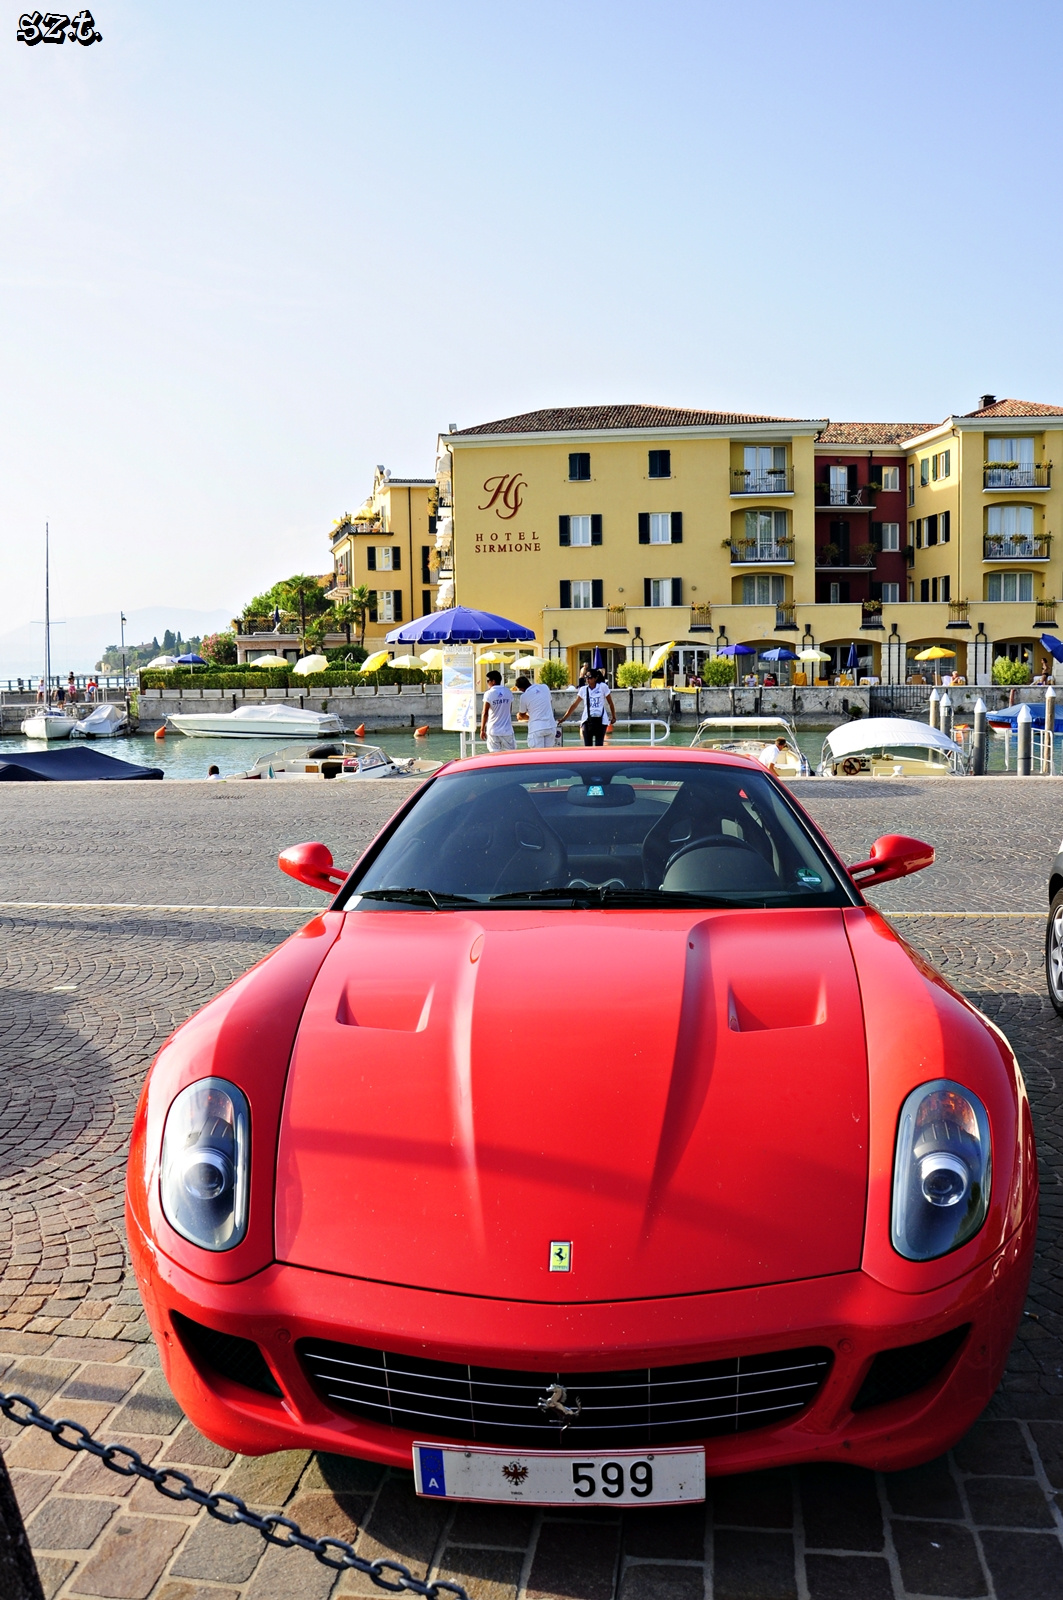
104,722
748,736
258,722
340,758
889,747
48,725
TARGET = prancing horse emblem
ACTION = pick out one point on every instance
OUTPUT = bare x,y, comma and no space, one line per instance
554,1404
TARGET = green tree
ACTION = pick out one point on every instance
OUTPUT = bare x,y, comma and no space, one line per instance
1006,671
719,672
632,675
169,640
219,649
358,606
554,674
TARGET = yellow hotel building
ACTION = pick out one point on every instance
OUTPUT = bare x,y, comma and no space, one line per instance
389,546
626,527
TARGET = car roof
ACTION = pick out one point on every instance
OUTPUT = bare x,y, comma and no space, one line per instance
671,754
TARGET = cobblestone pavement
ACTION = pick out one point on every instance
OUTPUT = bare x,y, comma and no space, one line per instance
86,998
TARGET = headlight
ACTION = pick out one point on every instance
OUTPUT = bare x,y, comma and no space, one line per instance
205,1153
941,1171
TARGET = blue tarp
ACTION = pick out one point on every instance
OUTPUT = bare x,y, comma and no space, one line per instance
72,764
1010,715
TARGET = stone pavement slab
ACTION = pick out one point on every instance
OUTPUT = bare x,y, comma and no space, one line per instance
982,1521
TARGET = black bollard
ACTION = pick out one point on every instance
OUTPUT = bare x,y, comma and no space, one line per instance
979,740
18,1570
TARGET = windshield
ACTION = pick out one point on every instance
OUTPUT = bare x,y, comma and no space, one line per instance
601,833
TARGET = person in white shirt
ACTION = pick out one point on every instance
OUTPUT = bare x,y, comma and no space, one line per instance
597,713
537,710
771,753
496,722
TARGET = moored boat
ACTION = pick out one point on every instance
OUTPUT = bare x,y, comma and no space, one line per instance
103,722
889,747
48,725
748,736
257,722
340,758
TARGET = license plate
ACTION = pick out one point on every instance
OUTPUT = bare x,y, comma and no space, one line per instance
551,1478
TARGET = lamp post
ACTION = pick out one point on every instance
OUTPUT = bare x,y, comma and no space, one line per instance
121,628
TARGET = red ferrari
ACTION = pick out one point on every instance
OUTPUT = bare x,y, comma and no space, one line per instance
599,1135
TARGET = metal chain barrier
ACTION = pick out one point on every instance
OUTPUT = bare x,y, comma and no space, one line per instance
273,1527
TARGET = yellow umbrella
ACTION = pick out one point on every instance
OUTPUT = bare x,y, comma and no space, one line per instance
660,656
529,663
371,663
937,652
494,658
432,659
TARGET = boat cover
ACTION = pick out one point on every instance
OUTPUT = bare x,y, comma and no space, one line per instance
101,723
73,764
1010,716
877,733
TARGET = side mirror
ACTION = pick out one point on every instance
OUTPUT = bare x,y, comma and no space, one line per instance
312,864
892,856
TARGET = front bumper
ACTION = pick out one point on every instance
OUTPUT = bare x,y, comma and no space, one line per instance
852,1314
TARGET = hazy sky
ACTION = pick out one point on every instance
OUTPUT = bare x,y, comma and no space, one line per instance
248,251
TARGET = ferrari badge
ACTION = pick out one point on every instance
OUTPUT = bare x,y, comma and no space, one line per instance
560,1255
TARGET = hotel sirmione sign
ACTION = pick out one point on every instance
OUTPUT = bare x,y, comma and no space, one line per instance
504,496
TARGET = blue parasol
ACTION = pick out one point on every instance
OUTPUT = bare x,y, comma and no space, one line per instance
1053,645
598,660
191,660
736,650
852,660
779,654
460,625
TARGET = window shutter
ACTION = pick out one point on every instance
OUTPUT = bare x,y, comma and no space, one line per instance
850,478
566,595
564,530
396,558
597,594
677,527
644,529
876,535
876,590
370,558
874,475
677,591
943,527
924,588
396,601
647,592
596,527
372,604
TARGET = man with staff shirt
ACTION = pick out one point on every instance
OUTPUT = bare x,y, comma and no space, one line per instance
537,710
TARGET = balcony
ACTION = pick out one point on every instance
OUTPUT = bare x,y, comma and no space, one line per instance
1016,547
749,552
831,496
832,557
1012,475
616,619
785,618
700,619
780,481
1044,614
959,614
871,614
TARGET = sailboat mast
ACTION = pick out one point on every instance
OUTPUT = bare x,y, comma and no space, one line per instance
47,625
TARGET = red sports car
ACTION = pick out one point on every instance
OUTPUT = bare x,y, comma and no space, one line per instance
599,1135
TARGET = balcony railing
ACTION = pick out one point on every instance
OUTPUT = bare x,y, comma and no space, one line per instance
1045,614
1016,547
616,619
831,555
1014,476
829,495
749,550
780,481
959,614
871,613
700,619
785,618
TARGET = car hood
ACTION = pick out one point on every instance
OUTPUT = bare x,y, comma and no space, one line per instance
679,1097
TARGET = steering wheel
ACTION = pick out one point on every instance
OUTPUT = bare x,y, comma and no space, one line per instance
850,766
713,840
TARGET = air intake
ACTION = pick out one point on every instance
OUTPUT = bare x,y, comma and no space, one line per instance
239,1360
896,1373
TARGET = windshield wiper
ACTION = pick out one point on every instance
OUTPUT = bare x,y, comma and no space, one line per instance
438,899
583,895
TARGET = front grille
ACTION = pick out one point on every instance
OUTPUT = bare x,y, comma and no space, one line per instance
646,1406
908,1368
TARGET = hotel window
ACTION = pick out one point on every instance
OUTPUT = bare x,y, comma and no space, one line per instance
911,484
579,466
662,591
385,605
660,527
426,564
913,535
1009,530
1009,464
891,593
924,471
891,479
763,589
767,530
765,468
1009,586
930,531
944,527
660,464
582,530
890,533
384,558
582,594
941,464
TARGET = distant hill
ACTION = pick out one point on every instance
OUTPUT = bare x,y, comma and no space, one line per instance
79,642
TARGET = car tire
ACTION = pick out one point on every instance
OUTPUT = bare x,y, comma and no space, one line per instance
1054,952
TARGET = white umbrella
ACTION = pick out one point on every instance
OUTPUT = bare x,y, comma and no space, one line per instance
163,661
268,661
405,661
529,663
432,659
660,656
812,655
311,664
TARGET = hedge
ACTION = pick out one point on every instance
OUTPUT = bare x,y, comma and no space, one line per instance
281,678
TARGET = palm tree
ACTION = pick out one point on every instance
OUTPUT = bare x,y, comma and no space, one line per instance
358,606
301,595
